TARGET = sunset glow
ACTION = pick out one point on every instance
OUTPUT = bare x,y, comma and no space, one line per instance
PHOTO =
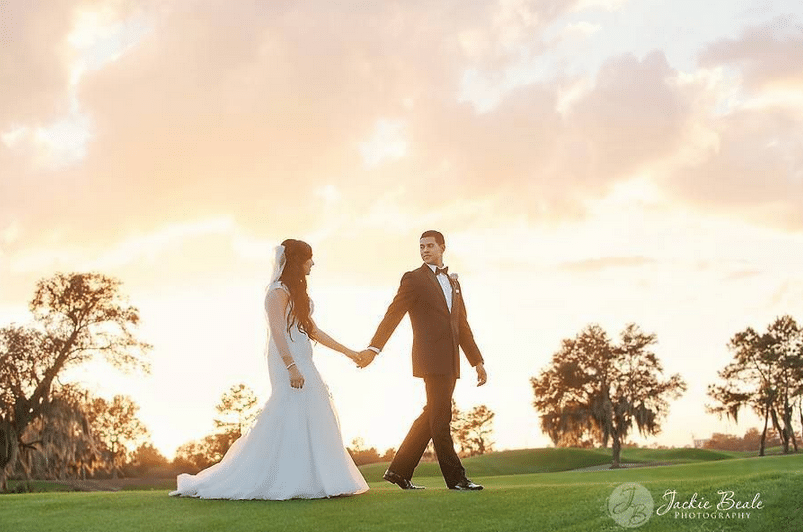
602,161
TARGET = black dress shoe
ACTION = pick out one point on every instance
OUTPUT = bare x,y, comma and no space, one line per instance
400,481
466,485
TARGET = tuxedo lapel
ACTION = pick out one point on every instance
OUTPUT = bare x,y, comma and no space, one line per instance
455,292
454,320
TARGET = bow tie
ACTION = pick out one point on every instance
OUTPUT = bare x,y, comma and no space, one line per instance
444,271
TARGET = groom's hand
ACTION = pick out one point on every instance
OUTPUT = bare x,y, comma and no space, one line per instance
366,357
482,376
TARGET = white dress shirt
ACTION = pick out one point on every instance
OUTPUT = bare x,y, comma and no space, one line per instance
446,286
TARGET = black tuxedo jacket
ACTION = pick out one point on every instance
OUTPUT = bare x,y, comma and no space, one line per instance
437,333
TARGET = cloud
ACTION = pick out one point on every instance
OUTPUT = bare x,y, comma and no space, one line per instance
34,74
247,110
740,153
768,54
54,146
543,152
596,265
607,5
635,114
387,142
755,169
582,29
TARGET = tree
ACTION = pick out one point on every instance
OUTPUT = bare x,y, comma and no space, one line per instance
471,433
79,316
785,344
237,411
116,424
196,455
390,453
362,454
766,375
429,453
193,456
595,388
750,441
60,443
147,458
472,430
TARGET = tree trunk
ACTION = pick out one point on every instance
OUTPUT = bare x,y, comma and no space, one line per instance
480,445
800,411
9,450
616,445
781,431
764,432
787,421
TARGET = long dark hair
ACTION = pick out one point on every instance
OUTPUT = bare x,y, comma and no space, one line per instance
296,253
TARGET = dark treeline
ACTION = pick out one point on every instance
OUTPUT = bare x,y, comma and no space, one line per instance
750,442
596,391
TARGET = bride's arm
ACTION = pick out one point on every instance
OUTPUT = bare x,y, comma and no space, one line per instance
276,305
322,338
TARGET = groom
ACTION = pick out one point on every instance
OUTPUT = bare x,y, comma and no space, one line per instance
434,301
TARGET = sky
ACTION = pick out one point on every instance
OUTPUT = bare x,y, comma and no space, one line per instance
589,161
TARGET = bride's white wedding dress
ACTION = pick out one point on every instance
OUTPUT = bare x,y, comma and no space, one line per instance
293,450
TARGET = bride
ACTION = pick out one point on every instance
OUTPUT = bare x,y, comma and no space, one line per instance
295,448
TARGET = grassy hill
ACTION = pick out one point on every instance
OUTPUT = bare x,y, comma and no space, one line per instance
515,462
569,501
551,460
676,455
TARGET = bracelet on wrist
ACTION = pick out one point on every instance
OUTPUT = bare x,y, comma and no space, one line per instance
291,365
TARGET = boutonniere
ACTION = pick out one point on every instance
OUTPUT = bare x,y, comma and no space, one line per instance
453,277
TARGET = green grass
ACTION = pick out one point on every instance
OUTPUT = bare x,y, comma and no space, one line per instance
552,460
676,455
508,463
529,501
516,462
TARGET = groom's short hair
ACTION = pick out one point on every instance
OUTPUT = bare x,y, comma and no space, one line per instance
436,235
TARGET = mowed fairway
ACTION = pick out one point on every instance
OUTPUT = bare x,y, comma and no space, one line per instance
548,501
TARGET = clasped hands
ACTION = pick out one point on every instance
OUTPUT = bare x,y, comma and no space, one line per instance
363,358
366,356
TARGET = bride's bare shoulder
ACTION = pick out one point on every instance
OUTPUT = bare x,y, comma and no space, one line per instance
277,285
276,293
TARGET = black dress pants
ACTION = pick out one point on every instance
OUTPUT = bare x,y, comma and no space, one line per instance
432,424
